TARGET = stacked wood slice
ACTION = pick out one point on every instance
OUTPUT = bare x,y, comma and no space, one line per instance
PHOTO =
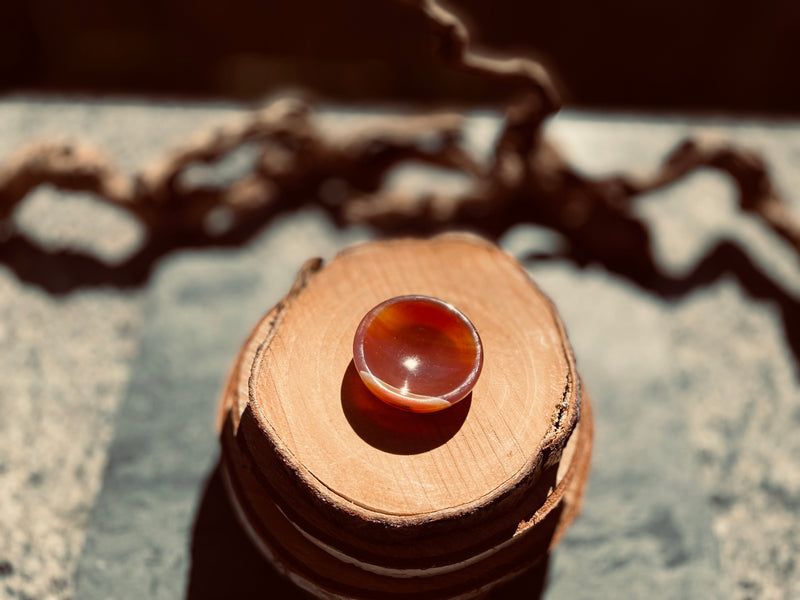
351,498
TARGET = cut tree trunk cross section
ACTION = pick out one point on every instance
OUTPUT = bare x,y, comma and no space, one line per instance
352,498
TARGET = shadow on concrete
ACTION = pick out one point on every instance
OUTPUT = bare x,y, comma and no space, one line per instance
224,562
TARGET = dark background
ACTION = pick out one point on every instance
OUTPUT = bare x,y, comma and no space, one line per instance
709,56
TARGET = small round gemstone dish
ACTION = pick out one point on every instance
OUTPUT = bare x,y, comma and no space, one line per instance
418,353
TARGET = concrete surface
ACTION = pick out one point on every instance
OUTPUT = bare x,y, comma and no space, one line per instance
107,396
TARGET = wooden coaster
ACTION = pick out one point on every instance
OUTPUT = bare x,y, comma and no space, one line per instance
355,499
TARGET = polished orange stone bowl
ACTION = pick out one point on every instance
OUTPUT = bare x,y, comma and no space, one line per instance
418,353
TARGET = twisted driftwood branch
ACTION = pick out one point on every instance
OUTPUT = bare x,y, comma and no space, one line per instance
525,180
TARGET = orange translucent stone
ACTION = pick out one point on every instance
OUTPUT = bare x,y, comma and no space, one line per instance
418,353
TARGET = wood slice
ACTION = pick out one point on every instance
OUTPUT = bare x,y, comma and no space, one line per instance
387,495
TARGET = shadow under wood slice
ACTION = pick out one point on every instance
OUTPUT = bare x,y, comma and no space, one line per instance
348,501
